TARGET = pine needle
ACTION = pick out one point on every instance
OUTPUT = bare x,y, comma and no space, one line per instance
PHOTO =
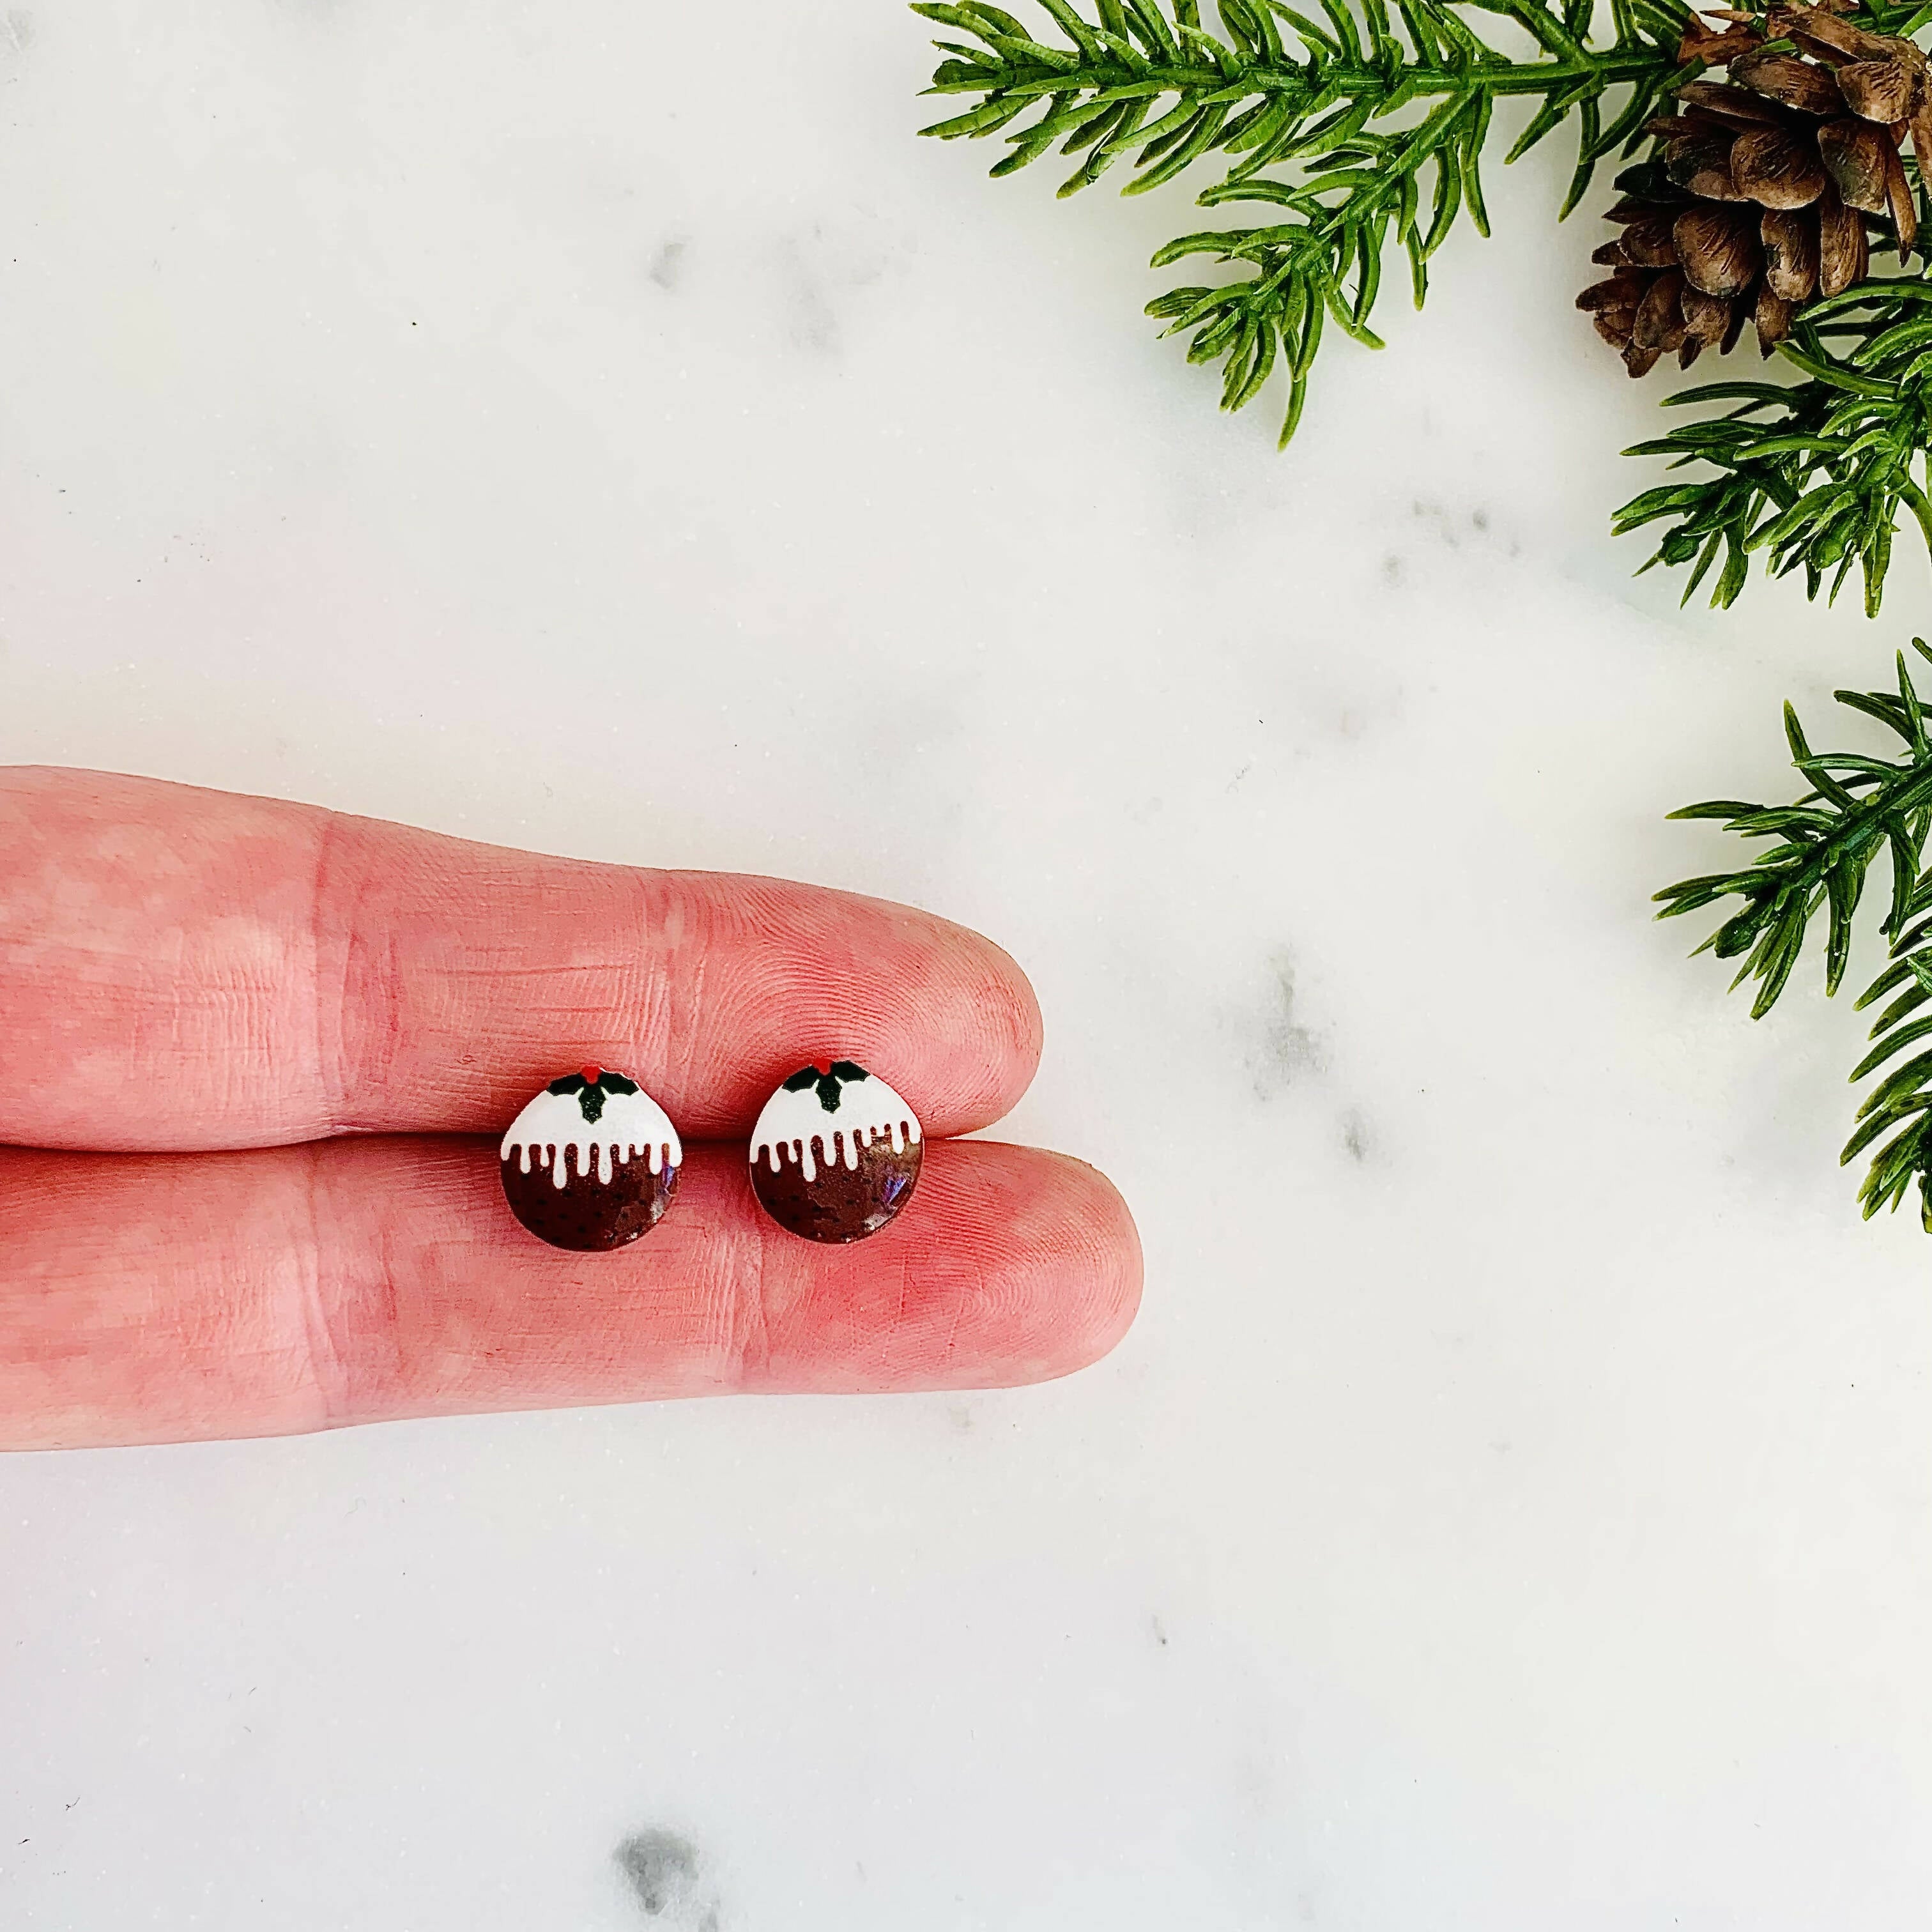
1815,476
1290,103
1855,806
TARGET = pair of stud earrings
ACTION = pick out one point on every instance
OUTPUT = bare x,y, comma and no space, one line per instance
592,1162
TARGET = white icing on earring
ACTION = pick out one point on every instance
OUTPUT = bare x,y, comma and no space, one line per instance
553,1123
863,1110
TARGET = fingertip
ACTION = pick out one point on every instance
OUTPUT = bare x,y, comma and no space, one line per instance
1012,1031
940,1011
1036,1265
1098,1269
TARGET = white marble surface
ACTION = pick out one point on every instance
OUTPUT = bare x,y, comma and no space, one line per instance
604,427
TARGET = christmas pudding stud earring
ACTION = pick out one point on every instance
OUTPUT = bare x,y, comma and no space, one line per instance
835,1154
592,1162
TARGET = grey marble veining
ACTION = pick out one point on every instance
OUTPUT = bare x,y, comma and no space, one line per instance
605,428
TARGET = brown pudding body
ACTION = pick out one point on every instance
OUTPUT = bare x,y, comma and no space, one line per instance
585,1213
839,1203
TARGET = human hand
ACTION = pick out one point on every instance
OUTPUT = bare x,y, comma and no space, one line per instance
240,1041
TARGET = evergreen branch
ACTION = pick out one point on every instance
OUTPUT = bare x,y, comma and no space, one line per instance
1856,806
1816,475
1278,89
1900,1105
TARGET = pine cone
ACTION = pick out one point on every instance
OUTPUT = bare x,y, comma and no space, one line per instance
1756,196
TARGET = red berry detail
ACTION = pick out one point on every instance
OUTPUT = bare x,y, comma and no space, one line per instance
592,1074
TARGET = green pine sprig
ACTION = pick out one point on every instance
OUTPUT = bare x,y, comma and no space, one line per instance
1309,99
1901,1104
1813,475
1855,807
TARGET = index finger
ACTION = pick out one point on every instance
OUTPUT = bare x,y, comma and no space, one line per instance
182,969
